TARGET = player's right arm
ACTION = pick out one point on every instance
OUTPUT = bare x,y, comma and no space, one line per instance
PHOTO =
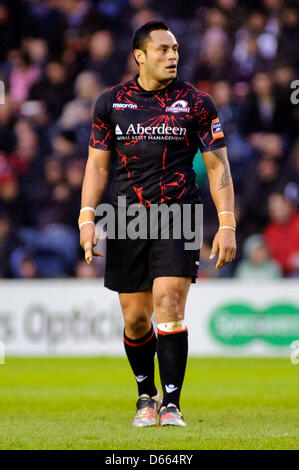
96,173
94,184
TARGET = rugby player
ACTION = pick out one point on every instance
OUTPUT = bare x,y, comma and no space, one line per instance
154,125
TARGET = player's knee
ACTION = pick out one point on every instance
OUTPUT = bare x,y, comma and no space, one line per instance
167,305
136,323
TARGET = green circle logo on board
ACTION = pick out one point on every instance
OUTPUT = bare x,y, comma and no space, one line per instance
239,324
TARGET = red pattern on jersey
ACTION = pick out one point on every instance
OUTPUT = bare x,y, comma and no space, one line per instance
142,201
180,181
160,173
100,127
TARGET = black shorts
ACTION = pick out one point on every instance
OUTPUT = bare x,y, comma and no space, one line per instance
132,265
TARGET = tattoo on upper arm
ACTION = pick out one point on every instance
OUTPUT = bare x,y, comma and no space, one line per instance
225,179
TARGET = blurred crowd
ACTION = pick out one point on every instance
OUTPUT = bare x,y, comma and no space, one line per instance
57,56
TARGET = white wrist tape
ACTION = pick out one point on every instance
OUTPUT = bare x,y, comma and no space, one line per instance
87,209
226,212
226,226
172,326
87,222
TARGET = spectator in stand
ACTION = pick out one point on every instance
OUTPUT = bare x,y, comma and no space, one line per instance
174,9
88,87
28,268
292,170
41,20
104,59
64,145
53,173
234,12
288,45
229,111
26,163
76,113
266,112
231,115
82,17
263,179
214,63
37,50
257,263
52,176
54,88
8,243
22,77
268,145
9,36
142,16
26,149
282,234
247,55
13,202
56,208
74,173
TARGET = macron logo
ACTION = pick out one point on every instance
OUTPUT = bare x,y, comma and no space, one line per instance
170,388
124,106
141,378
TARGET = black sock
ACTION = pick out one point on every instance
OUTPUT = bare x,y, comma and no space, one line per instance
172,350
141,353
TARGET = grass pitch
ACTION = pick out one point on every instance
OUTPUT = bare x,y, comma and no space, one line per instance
89,404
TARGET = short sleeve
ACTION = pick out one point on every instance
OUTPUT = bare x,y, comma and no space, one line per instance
101,132
208,126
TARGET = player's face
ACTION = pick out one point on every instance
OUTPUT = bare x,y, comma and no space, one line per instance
161,58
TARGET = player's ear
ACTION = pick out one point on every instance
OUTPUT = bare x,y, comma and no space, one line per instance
139,56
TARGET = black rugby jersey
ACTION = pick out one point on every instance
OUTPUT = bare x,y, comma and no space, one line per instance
155,135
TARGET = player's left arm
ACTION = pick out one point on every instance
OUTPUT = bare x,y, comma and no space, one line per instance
213,148
222,192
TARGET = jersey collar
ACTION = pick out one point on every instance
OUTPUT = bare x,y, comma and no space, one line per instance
153,92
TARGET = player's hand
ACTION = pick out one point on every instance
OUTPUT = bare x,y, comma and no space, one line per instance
88,239
225,242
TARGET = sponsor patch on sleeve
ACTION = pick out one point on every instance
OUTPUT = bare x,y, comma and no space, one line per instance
216,129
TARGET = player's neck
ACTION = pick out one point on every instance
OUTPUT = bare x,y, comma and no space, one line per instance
151,84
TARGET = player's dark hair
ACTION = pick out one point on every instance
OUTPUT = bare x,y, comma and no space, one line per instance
142,34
